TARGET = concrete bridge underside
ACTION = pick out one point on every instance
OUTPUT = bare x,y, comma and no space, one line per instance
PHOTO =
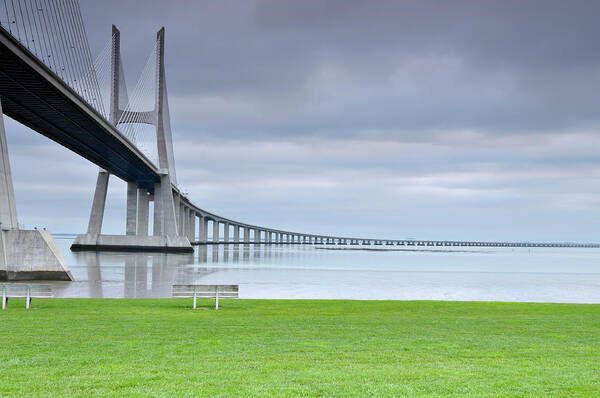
34,96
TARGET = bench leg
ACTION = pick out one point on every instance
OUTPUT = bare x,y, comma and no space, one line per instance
217,299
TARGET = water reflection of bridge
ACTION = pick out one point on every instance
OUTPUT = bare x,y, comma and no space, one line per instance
149,274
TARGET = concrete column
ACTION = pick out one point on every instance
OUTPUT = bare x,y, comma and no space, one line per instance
163,139
8,209
226,232
246,234
200,227
203,229
177,204
186,222
131,225
97,213
236,233
257,236
216,231
169,221
165,222
143,209
181,226
158,213
192,226
268,236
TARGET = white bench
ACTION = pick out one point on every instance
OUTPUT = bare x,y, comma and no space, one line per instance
27,291
206,291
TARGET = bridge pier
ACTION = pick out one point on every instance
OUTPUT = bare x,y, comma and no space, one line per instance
169,226
178,209
179,213
236,233
131,222
226,232
24,254
203,229
97,212
184,223
192,226
257,233
165,236
215,235
143,209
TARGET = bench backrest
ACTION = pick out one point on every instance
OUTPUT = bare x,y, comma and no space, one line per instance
15,290
206,291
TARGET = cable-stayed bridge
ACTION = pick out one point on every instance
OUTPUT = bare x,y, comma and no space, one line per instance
50,82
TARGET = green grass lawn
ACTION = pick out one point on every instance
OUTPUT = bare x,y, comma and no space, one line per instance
83,347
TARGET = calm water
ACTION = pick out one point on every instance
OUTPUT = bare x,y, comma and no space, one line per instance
542,275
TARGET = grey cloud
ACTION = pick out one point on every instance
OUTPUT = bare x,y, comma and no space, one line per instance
489,64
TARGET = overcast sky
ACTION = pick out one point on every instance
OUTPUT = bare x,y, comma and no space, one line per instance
392,119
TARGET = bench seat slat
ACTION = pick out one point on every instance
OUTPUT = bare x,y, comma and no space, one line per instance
18,290
205,291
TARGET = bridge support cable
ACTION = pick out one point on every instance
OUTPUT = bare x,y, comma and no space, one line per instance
53,31
85,49
139,110
102,68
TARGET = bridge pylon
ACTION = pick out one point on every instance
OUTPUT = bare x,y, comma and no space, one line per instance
24,254
165,234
